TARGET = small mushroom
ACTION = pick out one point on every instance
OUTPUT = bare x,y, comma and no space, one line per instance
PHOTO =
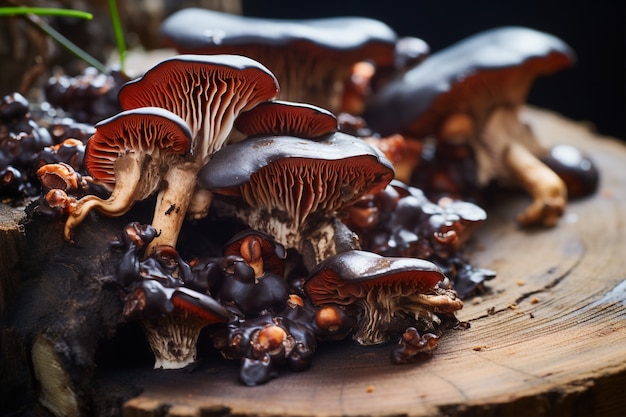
292,188
208,92
413,345
128,153
382,293
60,175
172,319
286,118
471,92
311,58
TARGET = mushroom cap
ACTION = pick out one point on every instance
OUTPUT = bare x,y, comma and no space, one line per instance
144,129
347,276
287,118
347,158
448,80
155,299
206,31
200,305
195,86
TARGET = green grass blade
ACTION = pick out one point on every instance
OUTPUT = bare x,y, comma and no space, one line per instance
119,33
44,11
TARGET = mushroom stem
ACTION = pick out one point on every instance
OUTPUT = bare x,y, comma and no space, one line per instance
127,190
513,143
172,203
173,339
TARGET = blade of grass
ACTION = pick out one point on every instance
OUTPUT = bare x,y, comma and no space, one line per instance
44,11
119,33
66,43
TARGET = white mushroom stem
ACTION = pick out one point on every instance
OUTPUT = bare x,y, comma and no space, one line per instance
129,187
173,339
172,203
515,150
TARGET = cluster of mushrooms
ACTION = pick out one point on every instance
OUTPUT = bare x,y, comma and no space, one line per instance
310,136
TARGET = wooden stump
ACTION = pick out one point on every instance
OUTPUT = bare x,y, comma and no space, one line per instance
547,339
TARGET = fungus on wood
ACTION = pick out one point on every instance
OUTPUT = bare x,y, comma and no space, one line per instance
311,58
293,188
384,294
471,92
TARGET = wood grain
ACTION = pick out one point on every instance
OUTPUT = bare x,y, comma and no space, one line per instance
547,339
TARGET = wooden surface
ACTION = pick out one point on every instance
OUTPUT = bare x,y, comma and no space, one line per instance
549,338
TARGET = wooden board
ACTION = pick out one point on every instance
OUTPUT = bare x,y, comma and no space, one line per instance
548,339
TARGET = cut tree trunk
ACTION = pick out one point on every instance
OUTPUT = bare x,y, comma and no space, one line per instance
547,338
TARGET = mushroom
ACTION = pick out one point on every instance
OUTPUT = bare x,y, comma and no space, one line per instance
382,293
128,153
208,92
280,117
311,58
172,319
472,92
59,176
293,188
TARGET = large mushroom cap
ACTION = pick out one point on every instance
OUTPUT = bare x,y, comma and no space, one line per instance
286,118
203,31
311,58
144,130
207,91
343,158
490,61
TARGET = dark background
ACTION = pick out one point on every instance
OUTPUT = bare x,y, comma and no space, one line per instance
594,90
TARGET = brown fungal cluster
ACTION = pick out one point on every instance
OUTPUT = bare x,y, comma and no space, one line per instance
349,200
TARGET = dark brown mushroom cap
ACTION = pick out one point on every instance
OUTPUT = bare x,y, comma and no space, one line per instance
349,164
348,276
274,118
207,91
492,61
206,31
139,130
